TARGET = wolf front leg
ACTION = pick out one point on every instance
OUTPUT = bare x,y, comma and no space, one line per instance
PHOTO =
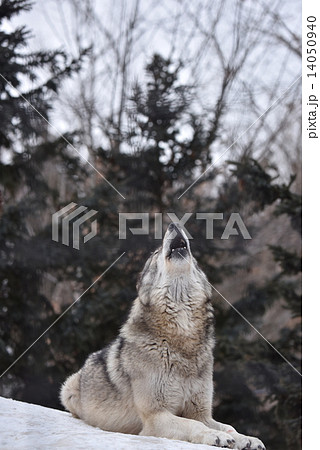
165,424
199,407
160,422
240,440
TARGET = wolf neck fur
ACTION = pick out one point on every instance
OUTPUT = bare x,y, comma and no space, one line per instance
179,290
177,307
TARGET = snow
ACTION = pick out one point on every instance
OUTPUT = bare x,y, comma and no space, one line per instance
27,426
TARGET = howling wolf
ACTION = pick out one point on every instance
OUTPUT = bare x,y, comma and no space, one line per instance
155,378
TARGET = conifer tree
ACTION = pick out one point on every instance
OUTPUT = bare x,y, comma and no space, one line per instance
275,384
25,149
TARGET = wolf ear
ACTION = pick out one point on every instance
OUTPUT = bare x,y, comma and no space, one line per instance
142,273
209,291
138,284
142,289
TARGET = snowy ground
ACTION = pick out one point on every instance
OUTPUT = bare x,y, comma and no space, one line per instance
27,426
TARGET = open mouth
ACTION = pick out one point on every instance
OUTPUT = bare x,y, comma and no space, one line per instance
178,247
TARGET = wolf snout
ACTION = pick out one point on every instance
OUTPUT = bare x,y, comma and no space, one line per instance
176,229
177,241
172,226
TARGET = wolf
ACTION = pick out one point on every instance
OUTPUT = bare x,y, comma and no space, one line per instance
155,378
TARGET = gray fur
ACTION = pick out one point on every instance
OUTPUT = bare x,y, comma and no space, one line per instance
155,378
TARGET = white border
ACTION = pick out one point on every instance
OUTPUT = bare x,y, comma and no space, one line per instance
311,248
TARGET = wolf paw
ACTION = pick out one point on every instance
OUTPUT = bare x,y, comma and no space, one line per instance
248,442
211,437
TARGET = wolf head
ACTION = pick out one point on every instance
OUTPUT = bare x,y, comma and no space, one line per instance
172,271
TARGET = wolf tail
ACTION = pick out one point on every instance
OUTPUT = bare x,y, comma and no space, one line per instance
70,394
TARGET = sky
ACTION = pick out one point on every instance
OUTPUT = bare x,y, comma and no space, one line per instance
167,27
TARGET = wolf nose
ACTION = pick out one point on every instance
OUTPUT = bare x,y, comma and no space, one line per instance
172,226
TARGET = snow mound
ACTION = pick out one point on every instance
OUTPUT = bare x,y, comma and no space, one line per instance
27,426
